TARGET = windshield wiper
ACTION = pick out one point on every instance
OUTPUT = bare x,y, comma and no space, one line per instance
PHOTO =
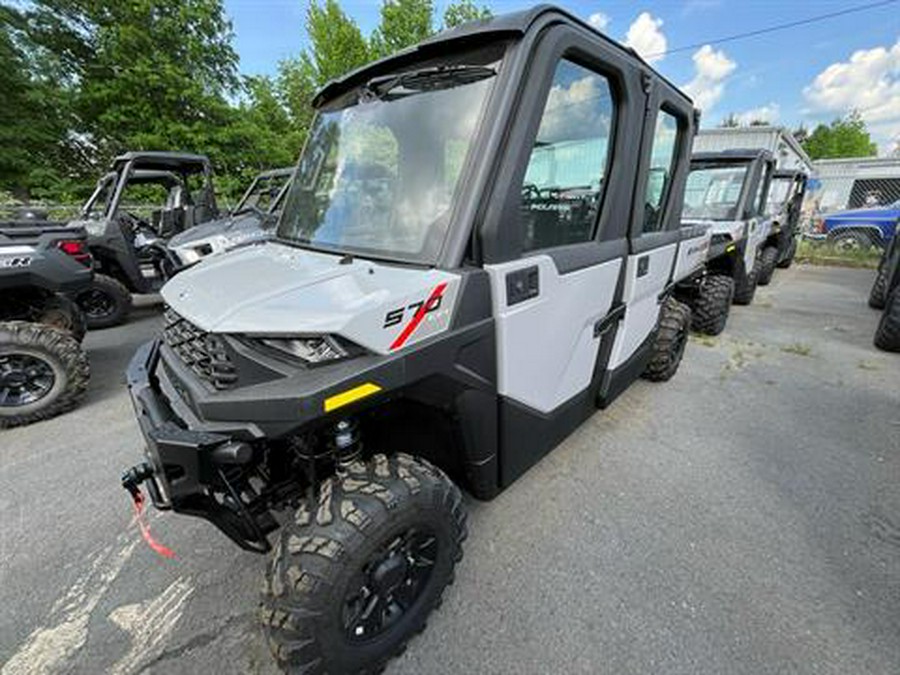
425,79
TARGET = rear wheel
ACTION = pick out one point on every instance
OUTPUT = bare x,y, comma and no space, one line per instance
745,287
788,259
887,337
767,262
354,577
62,313
43,372
851,240
105,303
879,288
671,339
710,310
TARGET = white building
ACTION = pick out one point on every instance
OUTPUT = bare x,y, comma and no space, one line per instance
777,140
855,183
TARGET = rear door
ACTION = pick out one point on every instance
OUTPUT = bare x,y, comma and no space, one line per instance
655,231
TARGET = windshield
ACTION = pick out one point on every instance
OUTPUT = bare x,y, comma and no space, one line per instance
265,193
713,193
379,176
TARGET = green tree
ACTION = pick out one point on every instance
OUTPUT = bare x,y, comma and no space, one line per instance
403,23
730,122
846,137
463,11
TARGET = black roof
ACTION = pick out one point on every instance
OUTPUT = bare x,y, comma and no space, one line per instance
162,160
789,173
732,155
474,33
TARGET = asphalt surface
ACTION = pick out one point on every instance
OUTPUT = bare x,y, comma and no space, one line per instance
742,518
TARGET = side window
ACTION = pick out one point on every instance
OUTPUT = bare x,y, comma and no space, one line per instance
563,184
759,205
662,164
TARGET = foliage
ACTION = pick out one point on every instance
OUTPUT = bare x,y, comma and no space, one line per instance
847,137
84,80
464,11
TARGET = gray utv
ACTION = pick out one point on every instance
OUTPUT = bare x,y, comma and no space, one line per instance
786,193
146,198
477,251
43,370
726,192
253,219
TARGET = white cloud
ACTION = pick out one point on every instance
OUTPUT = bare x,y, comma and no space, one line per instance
599,20
646,38
711,70
768,113
869,82
580,110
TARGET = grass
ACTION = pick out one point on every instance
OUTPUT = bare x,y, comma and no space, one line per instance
824,253
798,348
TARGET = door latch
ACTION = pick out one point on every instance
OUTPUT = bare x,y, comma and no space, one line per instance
522,285
643,266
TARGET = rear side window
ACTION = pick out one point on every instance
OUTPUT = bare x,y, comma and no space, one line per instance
563,183
662,164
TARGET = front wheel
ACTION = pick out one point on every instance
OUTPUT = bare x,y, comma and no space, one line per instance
788,259
105,303
879,288
62,313
355,576
709,312
745,286
887,337
43,372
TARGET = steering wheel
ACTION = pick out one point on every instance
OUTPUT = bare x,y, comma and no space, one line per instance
531,192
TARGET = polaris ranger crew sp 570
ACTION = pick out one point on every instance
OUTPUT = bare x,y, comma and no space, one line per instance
476,252
726,191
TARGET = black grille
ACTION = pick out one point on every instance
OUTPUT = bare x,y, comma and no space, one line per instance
202,352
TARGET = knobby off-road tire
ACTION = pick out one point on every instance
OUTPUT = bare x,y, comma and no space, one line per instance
62,313
106,303
789,258
887,336
879,289
671,339
745,287
52,364
709,312
767,262
314,599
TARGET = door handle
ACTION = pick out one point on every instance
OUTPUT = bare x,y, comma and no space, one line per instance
522,285
643,266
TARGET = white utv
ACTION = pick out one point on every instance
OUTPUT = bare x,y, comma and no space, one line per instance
465,269
726,192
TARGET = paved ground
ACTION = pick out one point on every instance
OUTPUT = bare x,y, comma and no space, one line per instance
743,518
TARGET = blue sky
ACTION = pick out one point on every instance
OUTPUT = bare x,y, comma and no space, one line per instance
806,74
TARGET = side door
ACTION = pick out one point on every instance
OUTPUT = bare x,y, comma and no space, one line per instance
555,243
655,231
758,225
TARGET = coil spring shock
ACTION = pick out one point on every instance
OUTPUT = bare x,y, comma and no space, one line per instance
346,444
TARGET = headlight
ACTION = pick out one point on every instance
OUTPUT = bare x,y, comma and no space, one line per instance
319,349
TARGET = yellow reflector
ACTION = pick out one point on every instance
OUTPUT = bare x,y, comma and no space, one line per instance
730,248
351,395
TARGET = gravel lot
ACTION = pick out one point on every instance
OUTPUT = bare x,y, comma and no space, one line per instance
742,518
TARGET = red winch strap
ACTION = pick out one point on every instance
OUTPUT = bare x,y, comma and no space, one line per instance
164,551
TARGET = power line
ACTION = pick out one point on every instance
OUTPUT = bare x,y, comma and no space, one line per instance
777,27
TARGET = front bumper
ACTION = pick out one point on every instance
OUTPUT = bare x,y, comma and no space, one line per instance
187,467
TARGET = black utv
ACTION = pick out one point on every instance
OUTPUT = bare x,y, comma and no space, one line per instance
477,251
43,370
886,295
786,193
144,200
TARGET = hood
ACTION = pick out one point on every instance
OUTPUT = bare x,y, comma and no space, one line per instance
878,212
213,228
273,289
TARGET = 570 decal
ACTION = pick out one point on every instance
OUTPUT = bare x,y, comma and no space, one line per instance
421,308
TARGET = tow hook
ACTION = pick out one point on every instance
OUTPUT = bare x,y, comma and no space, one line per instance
131,481
136,475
